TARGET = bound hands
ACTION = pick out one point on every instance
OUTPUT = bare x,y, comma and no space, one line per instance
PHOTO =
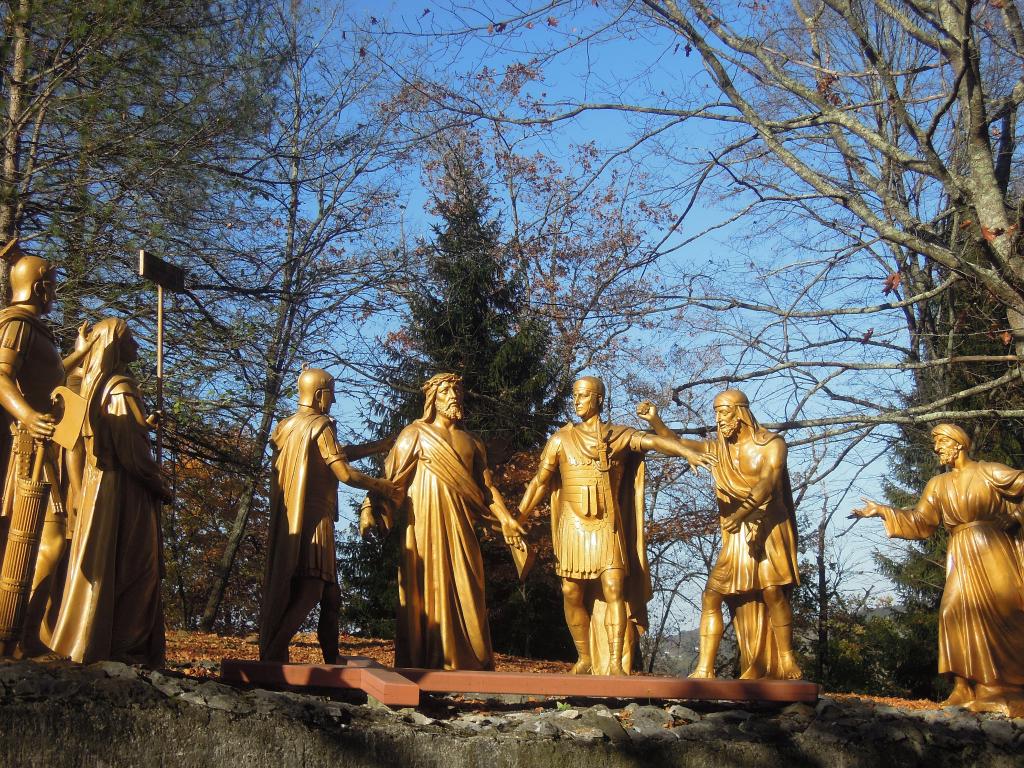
368,521
732,523
749,512
513,532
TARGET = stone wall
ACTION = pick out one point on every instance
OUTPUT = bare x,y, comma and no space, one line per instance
108,715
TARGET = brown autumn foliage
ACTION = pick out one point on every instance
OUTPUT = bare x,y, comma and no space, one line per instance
198,653
207,494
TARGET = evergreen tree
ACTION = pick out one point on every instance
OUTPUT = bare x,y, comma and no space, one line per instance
966,322
467,314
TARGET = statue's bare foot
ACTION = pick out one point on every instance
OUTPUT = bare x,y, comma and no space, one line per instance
790,670
961,695
582,667
988,705
1002,699
703,673
48,657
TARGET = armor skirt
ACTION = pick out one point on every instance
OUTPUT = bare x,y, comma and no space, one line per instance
586,547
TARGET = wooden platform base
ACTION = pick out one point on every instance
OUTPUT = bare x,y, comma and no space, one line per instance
402,686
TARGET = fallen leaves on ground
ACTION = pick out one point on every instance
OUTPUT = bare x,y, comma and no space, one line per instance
199,653
890,701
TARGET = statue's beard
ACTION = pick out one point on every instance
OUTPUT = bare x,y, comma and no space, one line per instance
729,428
451,410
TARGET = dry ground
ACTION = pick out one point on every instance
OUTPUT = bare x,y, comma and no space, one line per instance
196,652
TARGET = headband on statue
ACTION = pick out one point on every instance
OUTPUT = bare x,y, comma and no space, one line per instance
953,432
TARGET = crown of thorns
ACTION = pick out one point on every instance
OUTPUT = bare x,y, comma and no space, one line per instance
438,379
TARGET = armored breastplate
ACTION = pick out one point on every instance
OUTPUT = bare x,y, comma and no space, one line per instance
584,490
41,370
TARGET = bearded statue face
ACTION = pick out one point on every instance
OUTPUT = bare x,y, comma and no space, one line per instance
449,400
947,449
727,417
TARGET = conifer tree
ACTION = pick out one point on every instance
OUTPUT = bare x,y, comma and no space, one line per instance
467,313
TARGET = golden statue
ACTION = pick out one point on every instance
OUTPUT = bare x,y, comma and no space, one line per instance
595,475
308,463
446,488
757,566
981,616
112,607
30,369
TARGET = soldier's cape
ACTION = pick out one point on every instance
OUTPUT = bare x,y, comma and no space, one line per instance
293,442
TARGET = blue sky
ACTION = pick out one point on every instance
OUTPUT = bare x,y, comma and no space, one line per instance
628,64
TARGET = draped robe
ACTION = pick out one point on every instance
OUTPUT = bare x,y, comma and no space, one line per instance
981,615
442,613
112,607
761,554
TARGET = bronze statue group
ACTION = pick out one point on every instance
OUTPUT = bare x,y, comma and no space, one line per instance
81,544
80,534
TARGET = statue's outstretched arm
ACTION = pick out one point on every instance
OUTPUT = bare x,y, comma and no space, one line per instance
539,487
667,442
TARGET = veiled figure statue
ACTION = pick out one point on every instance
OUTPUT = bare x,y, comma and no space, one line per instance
981,616
112,607
446,489
757,565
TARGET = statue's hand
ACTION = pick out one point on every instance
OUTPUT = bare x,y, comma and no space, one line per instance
367,523
154,419
82,341
700,459
40,425
513,532
870,509
732,523
390,491
163,492
647,411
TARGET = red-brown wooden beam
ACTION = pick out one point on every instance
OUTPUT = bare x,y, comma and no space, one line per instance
382,683
401,686
630,687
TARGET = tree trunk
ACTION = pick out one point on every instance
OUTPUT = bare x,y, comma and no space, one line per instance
283,341
227,560
822,660
11,163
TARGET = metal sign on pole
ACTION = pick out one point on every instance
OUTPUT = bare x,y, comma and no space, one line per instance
171,277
